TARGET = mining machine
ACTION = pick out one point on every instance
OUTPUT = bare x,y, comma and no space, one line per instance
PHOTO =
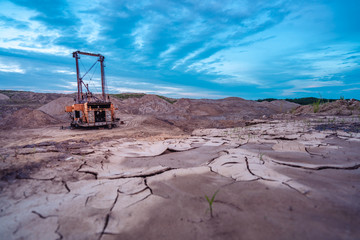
90,110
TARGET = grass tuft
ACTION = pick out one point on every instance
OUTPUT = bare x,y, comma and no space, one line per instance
316,105
211,201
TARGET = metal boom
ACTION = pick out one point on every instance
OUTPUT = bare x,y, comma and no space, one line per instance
101,59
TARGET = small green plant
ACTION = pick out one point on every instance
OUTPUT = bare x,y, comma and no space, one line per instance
342,97
261,155
211,201
316,106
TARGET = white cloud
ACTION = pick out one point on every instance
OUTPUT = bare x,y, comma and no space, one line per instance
67,85
140,35
64,71
289,92
188,57
10,10
325,63
11,68
351,89
149,86
159,90
89,27
168,51
27,38
262,58
304,84
309,86
257,20
230,65
127,90
94,87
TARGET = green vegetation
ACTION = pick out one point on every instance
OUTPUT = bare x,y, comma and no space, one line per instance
128,95
124,96
211,202
301,101
169,100
316,105
304,101
10,93
267,100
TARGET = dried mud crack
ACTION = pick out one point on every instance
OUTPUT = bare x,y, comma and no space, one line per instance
122,188
351,167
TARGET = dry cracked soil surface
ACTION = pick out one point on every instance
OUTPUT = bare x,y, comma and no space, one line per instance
276,179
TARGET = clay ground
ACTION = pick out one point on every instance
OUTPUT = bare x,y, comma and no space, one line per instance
276,179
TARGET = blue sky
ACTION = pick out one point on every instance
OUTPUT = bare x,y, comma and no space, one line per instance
196,49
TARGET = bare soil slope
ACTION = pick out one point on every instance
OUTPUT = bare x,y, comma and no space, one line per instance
20,99
56,108
189,114
27,118
339,107
3,97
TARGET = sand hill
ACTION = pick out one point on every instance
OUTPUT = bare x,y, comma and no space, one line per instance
339,107
189,114
3,97
27,118
56,108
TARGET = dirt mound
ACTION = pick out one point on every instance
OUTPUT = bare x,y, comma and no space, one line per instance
3,97
280,106
149,122
17,100
303,110
232,107
146,105
151,104
222,113
339,107
189,114
32,97
56,108
27,118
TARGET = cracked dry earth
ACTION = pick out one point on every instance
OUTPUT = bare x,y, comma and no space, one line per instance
276,180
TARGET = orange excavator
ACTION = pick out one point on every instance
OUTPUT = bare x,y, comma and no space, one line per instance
90,110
